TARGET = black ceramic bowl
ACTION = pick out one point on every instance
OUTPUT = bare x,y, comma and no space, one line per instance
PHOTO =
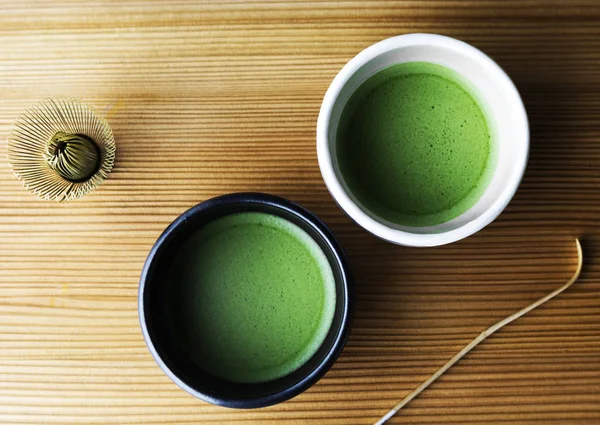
162,340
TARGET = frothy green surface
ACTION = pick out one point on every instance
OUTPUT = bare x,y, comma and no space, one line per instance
414,146
254,296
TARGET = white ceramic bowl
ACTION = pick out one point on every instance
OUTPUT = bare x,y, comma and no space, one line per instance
502,105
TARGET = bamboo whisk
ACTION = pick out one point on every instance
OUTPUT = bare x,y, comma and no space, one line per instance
61,149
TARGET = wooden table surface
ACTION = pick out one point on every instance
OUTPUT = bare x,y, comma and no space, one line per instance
216,97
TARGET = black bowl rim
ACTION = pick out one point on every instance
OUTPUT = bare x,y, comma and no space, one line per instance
347,282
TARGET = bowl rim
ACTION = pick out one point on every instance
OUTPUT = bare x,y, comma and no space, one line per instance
347,284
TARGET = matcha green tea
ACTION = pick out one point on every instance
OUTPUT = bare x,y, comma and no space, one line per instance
253,295
414,146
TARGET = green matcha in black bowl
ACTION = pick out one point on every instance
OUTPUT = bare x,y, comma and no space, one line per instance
245,300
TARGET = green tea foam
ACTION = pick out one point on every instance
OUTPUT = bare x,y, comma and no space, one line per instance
414,146
254,295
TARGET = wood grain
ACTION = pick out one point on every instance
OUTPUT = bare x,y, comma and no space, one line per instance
207,98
